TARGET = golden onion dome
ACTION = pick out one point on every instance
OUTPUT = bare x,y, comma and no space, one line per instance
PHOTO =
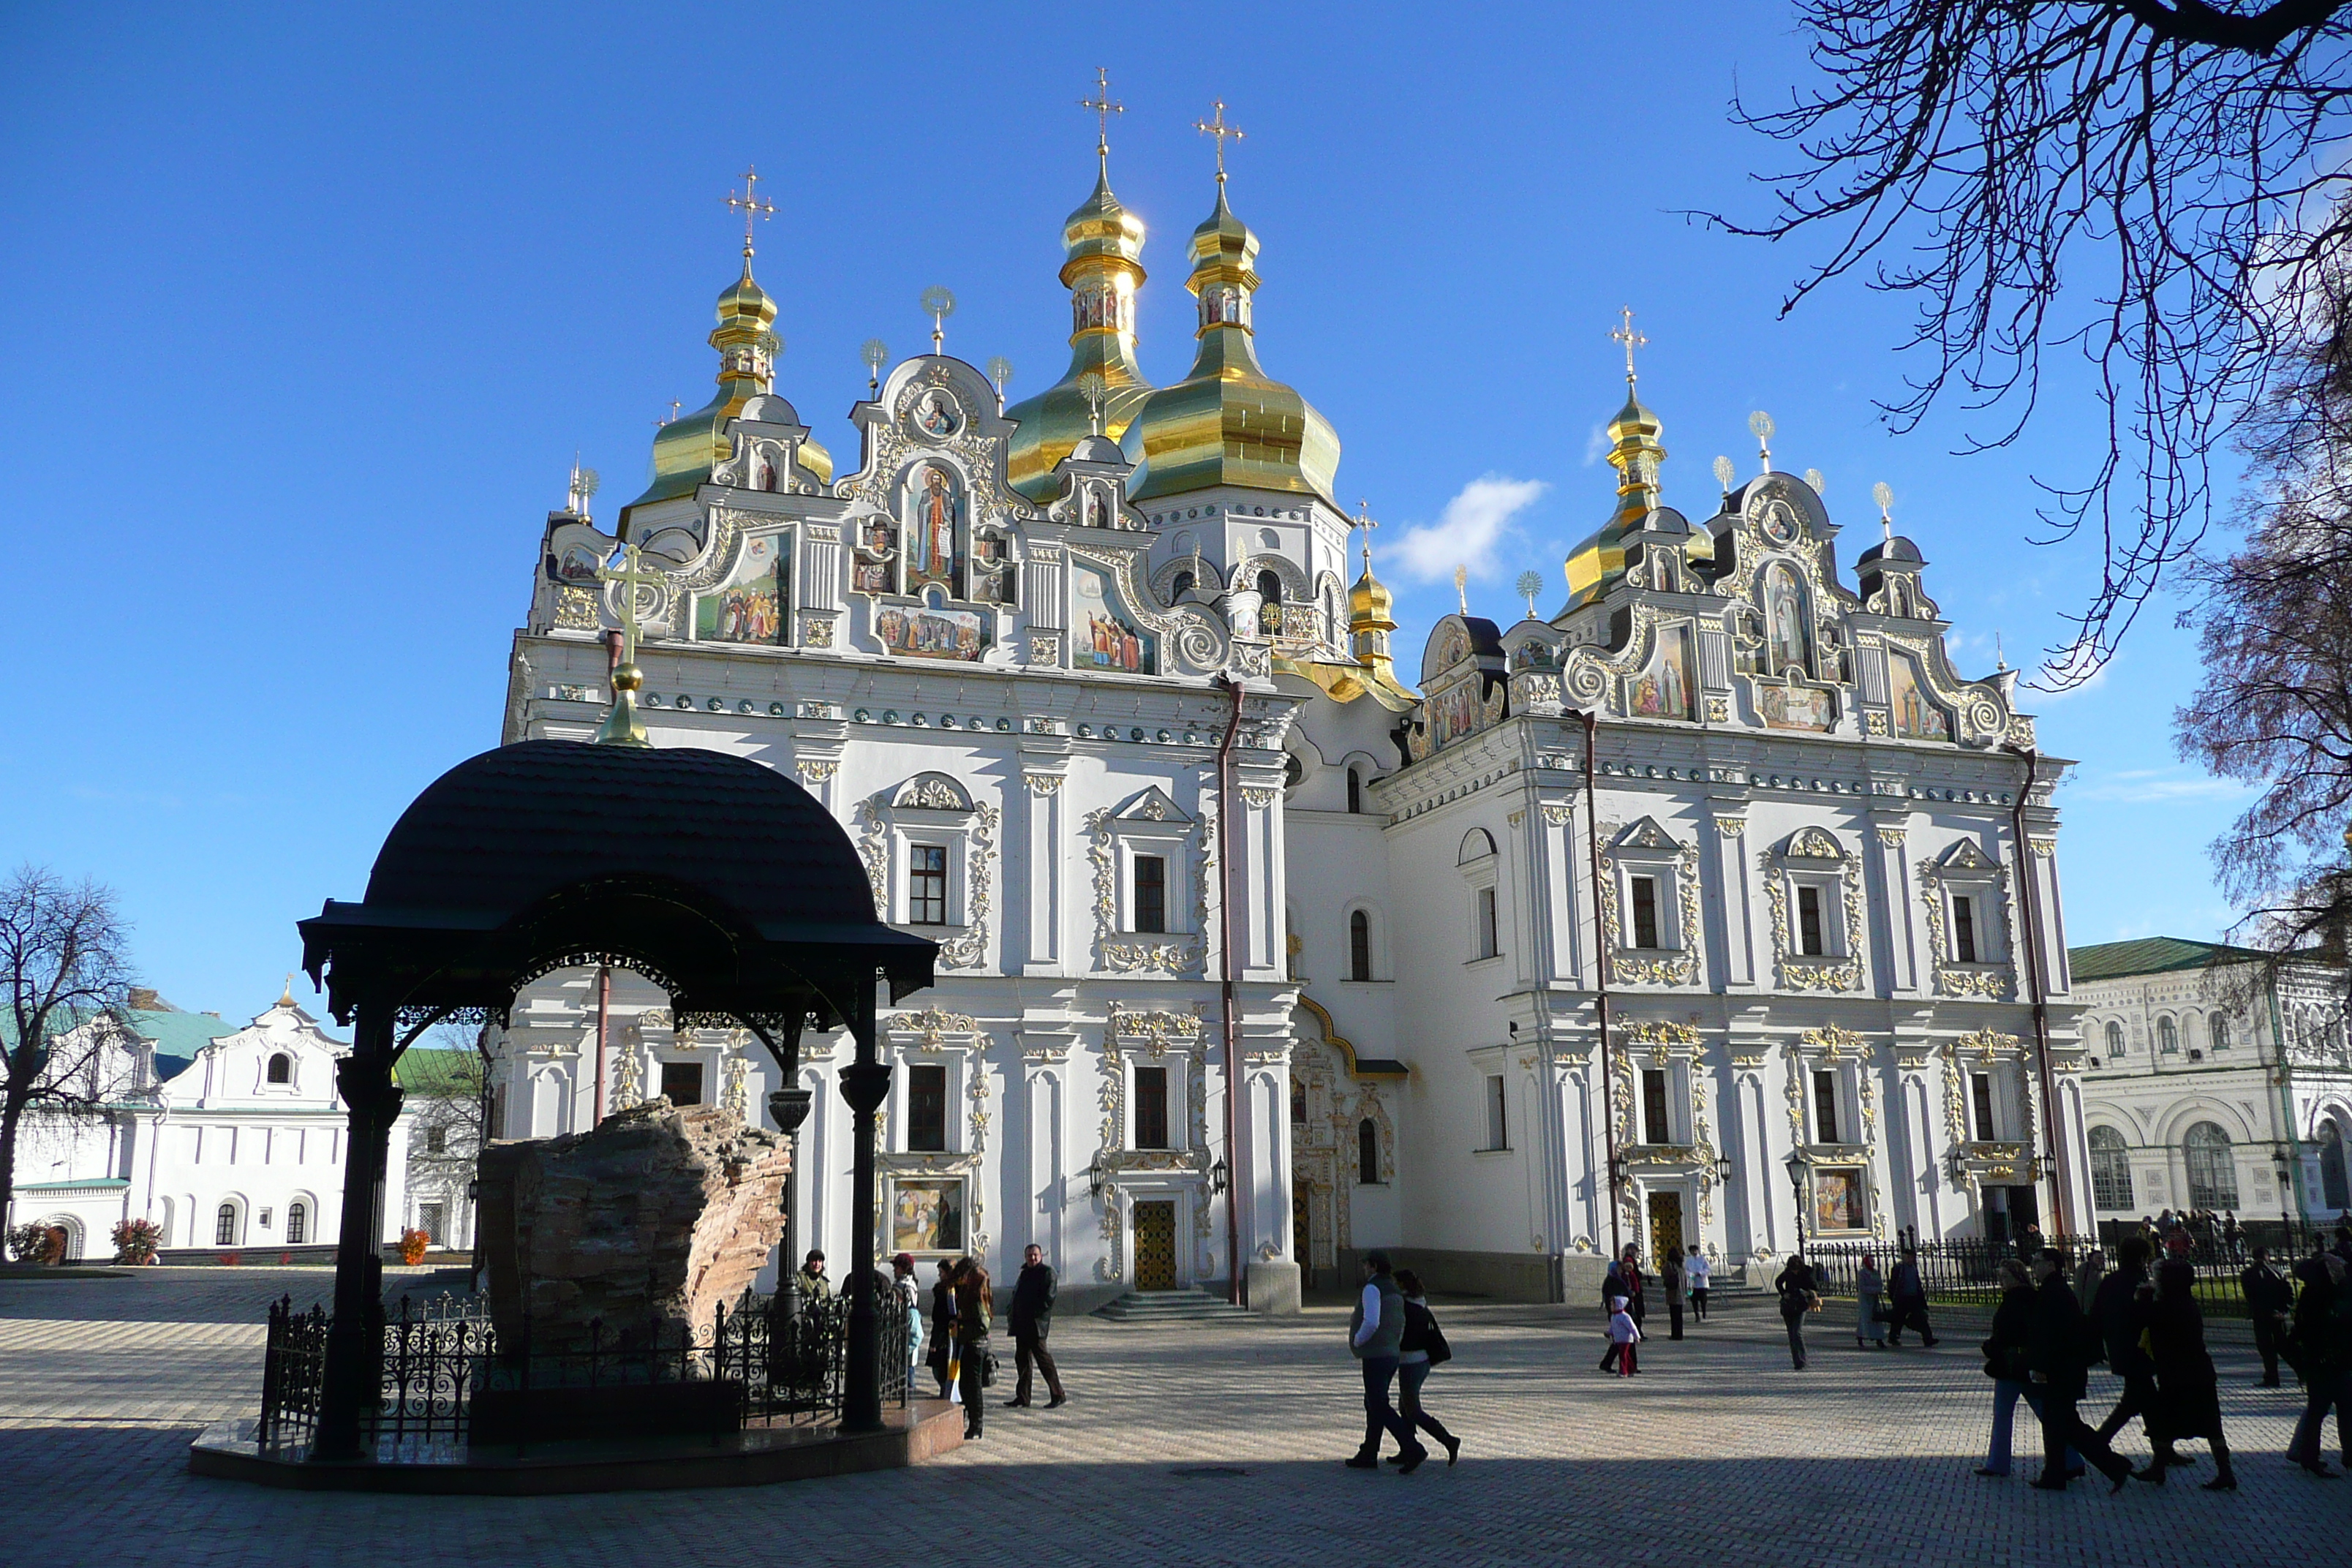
1599,559
687,448
1369,599
1103,244
1229,423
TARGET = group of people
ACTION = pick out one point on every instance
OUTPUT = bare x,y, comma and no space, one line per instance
1682,1280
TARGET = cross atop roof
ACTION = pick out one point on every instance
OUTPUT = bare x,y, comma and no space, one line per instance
1220,130
1632,339
1103,108
749,204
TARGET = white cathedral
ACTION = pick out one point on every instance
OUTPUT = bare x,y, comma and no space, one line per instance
1253,957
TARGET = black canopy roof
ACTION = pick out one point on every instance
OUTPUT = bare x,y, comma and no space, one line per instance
718,878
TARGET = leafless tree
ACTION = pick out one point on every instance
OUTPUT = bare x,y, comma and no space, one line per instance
2143,180
64,959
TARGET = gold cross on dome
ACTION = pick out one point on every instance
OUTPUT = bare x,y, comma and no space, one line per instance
631,576
1220,130
1462,588
1364,520
750,205
1632,339
1103,108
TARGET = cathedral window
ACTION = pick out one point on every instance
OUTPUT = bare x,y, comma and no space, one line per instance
1980,1101
1368,1153
281,1069
1656,1128
1150,892
1964,928
225,1226
436,1140
2219,1028
1359,946
2111,1177
1151,1108
681,1082
1825,1106
2212,1168
1269,588
927,1108
2334,1189
2168,1037
2115,1039
1645,912
1809,922
926,884
1298,1101
1498,1127
1180,585
1355,792
298,1222
1488,934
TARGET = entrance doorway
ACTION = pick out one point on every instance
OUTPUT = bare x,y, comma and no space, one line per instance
2008,1212
1302,1231
1666,1225
1155,1246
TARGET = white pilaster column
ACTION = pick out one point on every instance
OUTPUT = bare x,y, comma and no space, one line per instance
1726,843
1042,893
1895,919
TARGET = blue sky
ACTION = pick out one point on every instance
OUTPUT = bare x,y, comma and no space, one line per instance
303,313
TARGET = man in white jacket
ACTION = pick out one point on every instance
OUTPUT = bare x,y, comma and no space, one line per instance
1695,1269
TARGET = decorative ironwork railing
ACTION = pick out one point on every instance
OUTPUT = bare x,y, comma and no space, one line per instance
440,1360
1966,1272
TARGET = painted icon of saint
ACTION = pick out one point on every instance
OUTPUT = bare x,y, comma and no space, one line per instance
931,552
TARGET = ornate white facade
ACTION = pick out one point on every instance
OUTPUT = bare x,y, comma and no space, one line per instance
1105,717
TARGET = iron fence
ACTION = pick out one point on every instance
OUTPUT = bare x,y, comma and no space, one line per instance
1966,1272
752,1364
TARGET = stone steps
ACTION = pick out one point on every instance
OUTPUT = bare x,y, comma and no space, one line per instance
1169,1306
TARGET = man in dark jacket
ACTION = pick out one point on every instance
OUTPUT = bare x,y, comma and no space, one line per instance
2270,1299
2058,1360
2111,1312
1031,1318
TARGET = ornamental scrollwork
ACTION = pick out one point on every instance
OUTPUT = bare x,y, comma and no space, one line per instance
1643,966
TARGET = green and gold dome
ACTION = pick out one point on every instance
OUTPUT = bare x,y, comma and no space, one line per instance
1635,452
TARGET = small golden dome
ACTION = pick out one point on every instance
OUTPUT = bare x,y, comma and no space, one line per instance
745,299
1104,246
1101,229
1369,599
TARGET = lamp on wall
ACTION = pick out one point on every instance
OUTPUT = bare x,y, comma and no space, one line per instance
1219,1178
1723,1169
1097,1176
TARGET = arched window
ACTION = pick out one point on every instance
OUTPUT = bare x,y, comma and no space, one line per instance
2115,1039
2220,1029
298,1222
2111,1179
225,1226
2212,1174
1269,587
2333,1184
1368,1153
281,1069
2167,1038
1180,586
1355,792
1359,946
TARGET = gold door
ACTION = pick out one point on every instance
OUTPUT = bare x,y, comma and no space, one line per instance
1155,1246
1666,1225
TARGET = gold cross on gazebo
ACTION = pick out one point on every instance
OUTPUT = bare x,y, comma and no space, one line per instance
1631,338
1103,108
750,205
632,576
1220,130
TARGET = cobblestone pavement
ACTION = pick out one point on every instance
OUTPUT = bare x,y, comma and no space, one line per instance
1194,1444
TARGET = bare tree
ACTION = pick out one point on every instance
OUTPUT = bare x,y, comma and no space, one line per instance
63,958
2183,158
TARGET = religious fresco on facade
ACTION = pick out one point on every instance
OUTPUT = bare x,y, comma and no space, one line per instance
925,632
876,553
1454,713
1663,691
1917,716
1532,655
935,511
937,414
575,552
1784,623
1106,639
927,1217
751,609
1794,707
992,572
1838,1199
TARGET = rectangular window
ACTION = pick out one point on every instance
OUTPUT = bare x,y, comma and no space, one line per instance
682,1082
430,1220
1980,1095
1359,946
927,885
1152,892
1809,922
1645,911
1151,1108
1964,928
436,1140
1656,1128
1498,1126
1825,1107
927,1108
1489,934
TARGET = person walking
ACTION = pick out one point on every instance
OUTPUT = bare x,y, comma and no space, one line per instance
2116,1315
1870,1320
1800,1294
2087,1275
1697,1269
2189,1397
975,1303
1908,1297
2056,1364
902,1282
1422,1350
1032,1317
1613,1292
943,1315
2269,1300
1375,1337
2319,1347
1670,1283
2005,1363
1625,1333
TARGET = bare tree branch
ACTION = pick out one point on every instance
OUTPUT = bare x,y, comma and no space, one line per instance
63,960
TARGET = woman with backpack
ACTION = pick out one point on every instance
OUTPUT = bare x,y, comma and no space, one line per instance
1423,1349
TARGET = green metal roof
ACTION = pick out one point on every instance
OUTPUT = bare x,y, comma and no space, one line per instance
2153,955
438,1070
90,1184
179,1034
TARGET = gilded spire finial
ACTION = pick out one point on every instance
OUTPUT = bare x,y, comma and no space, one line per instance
752,208
939,304
1631,338
1092,388
1529,584
1364,520
1103,108
1884,494
582,484
622,726
1217,127
1462,588
1760,426
286,998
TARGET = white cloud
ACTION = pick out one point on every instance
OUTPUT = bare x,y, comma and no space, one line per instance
1466,534
2144,786
1596,445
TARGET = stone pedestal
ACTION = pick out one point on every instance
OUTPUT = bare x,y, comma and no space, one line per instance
1274,1289
657,1216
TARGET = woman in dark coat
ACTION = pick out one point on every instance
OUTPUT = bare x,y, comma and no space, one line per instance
2005,1356
2188,1398
943,1314
1798,1291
